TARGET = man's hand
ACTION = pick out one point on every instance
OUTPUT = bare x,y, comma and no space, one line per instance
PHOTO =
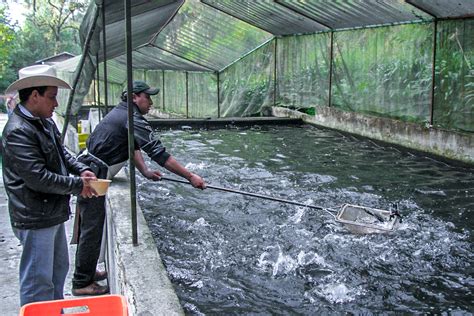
197,181
154,175
87,190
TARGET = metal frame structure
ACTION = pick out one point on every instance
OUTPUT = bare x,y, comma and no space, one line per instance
128,50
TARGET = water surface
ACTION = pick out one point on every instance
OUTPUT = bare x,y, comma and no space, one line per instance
231,254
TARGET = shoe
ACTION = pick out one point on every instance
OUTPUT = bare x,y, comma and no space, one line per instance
91,289
100,275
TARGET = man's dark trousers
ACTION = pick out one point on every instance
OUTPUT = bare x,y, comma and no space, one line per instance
92,218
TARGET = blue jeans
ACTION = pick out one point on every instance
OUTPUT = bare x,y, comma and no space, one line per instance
44,263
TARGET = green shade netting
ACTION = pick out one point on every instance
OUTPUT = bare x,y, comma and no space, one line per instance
384,71
349,14
63,94
270,16
154,78
208,37
303,71
454,81
247,86
114,93
175,93
138,74
202,95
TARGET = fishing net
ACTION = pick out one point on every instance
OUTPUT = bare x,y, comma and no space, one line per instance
366,220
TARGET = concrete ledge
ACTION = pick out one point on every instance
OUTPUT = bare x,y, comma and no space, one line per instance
222,122
447,144
136,272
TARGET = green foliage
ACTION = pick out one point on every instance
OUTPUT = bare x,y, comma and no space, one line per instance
303,71
50,29
384,71
7,41
454,94
247,86
220,36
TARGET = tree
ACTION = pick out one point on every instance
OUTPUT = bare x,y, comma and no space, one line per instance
7,43
51,27
60,19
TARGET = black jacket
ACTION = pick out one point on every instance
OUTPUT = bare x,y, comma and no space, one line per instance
109,140
35,172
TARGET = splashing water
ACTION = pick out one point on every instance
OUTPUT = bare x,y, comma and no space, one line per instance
229,254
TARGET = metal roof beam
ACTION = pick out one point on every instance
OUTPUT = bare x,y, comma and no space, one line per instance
250,52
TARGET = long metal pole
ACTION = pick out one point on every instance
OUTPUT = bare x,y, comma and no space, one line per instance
218,95
163,90
104,51
131,147
260,196
271,198
433,72
187,95
98,86
331,54
275,64
78,75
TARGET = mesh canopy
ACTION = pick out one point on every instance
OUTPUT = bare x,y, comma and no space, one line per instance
384,71
247,86
175,93
209,37
223,45
167,60
116,72
116,76
303,71
454,93
268,15
148,17
446,8
114,93
63,94
138,74
348,14
202,92
154,78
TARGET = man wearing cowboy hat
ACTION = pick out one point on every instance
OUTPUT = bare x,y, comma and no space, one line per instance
36,171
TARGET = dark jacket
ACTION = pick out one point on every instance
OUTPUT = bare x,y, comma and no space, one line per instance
35,172
109,140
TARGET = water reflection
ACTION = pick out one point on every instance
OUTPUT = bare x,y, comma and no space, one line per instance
231,254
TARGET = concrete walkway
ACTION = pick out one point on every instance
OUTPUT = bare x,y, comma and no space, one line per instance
10,251
135,271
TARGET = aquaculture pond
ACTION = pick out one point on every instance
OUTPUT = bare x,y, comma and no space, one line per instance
231,254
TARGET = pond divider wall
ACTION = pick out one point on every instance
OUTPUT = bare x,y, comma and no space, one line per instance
223,122
446,144
136,272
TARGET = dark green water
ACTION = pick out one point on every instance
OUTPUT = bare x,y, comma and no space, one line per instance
231,254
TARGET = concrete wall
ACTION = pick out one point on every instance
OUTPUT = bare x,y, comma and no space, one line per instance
136,271
447,144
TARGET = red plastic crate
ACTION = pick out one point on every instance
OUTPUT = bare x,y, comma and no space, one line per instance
110,305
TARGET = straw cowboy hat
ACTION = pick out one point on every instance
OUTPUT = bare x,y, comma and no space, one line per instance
37,76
